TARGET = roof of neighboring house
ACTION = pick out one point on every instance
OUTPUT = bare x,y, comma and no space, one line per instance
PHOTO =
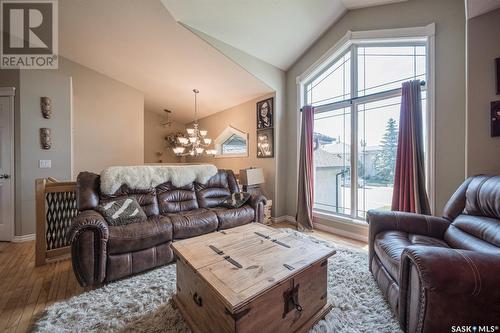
345,148
324,159
322,138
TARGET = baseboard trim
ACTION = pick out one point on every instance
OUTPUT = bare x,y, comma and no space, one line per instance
341,232
24,238
284,218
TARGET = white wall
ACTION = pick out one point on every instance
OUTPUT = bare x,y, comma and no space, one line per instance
449,17
483,46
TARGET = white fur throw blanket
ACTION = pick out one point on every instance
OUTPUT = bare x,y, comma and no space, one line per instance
144,177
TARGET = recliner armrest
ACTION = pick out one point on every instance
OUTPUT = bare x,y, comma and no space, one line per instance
454,271
255,199
426,225
444,287
257,202
380,221
88,235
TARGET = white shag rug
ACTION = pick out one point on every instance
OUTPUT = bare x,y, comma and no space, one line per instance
142,303
144,177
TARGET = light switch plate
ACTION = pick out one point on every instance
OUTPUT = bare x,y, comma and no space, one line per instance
45,164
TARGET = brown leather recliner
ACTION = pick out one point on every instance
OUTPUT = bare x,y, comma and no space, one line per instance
102,253
439,272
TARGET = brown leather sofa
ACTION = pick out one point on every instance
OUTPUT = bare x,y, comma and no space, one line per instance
102,253
439,272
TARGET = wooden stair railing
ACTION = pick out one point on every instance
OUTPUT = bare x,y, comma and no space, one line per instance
55,208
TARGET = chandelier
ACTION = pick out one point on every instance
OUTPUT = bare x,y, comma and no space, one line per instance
195,142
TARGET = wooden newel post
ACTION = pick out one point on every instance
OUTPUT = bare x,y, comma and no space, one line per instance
41,223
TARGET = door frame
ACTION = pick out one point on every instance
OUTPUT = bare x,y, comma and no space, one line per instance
11,92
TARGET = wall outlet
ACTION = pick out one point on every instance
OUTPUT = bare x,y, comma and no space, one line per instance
45,164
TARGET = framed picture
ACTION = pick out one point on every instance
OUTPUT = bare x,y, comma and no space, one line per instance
265,113
265,143
497,61
495,118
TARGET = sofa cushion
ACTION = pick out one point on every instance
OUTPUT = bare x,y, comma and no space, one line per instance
145,198
122,211
216,189
236,200
389,246
233,217
459,239
483,197
193,223
173,199
483,228
155,230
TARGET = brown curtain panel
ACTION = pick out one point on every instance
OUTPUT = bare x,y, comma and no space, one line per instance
306,171
409,182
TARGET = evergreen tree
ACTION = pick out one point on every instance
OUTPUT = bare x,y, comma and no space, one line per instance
385,160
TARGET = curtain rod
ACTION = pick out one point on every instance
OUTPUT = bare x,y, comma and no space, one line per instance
422,83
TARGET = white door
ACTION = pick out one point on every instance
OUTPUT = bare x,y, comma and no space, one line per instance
6,164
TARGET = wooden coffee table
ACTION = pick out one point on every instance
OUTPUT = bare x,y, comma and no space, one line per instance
251,278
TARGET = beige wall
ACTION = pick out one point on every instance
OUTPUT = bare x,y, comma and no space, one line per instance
275,78
154,138
242,117
108,120
483,46
105,116
450,83
33,85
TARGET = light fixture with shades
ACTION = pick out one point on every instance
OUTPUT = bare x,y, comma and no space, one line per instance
195,143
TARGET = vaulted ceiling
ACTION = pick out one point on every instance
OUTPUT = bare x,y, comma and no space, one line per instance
141,44
277,31
479,7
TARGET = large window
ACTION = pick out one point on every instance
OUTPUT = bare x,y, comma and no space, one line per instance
357,102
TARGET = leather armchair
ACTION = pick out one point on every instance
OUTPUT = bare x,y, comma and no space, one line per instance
439,272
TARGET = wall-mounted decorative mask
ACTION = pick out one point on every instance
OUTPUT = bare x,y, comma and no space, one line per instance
45,139
46,106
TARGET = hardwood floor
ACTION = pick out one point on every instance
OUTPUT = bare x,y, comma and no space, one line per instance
26,290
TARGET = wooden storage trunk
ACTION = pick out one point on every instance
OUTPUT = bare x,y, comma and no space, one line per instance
274,284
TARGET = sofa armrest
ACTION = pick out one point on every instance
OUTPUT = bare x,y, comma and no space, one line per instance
443,287
454,271
88,235
427,225
380,221
257,202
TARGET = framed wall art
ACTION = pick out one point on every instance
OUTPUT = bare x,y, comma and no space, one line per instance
265,143
497,61
495,118
265,113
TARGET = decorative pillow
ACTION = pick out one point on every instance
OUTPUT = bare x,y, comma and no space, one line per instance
236,200
122,211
